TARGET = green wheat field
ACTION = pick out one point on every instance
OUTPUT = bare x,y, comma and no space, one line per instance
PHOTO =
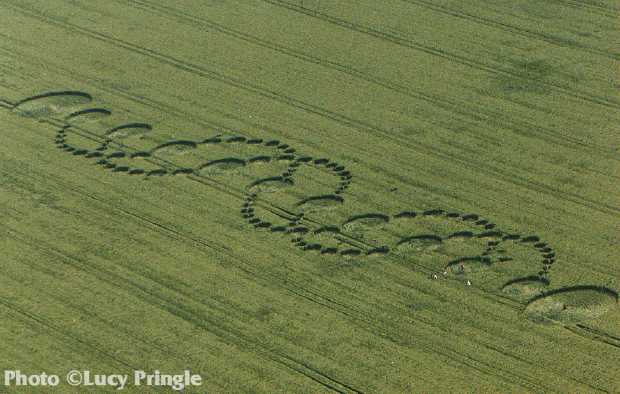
308,196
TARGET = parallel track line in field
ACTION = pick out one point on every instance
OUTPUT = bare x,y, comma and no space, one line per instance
488,116
166,108
241,194
54,330
349,240
483,367
595,335
176,308
482,344
69,303
373,326
336,117
226,188
595,8
527,33
405,42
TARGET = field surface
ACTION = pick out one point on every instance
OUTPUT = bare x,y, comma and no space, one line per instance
306,196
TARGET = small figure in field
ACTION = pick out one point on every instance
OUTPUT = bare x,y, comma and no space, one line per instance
434,276
462,267
445,273
468,282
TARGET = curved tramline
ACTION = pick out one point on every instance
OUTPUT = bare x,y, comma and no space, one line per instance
287,193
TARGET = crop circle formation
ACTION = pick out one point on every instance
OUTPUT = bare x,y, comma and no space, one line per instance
447,243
